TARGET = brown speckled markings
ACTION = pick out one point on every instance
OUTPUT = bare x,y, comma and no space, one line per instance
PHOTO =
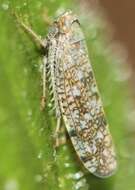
76,96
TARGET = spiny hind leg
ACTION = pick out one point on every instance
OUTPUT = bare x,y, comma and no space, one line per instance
59,135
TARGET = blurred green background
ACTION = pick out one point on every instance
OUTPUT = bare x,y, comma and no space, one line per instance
27,158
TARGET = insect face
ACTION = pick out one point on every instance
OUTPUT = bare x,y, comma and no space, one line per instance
65,21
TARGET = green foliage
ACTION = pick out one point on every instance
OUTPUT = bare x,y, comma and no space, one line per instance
28,160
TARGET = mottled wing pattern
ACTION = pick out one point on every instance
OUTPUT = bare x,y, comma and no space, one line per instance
80,104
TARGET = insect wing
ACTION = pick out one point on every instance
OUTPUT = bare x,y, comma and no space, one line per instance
81,104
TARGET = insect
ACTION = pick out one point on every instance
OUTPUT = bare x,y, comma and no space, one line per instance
76,96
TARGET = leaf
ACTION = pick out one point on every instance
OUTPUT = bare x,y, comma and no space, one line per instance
28,159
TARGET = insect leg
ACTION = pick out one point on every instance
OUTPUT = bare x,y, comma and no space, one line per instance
56,134
59,140
43,98
35,37
46,18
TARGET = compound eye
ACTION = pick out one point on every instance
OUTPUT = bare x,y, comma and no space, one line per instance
75,21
